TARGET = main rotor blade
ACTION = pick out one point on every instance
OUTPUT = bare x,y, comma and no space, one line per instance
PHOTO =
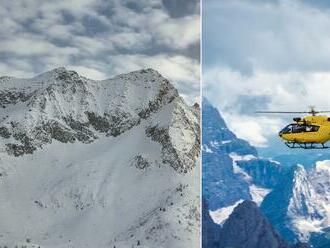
282,112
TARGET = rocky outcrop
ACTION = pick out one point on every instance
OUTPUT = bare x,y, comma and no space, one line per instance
297,207
247,227
92,147
222,187
210,230
265,173
61,105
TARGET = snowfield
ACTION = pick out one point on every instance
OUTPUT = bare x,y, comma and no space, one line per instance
220,215
131,182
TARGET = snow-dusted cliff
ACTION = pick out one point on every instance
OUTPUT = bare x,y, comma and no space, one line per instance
303,208
89,163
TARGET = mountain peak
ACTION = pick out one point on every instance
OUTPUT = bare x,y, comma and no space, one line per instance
93,147
59,73
58,69
247,227
215,131
144,74
61,105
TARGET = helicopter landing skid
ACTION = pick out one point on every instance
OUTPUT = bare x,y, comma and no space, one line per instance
305,145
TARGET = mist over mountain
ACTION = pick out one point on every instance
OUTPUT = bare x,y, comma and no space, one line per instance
87,163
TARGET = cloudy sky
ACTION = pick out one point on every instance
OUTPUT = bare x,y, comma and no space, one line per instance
102,38
265,55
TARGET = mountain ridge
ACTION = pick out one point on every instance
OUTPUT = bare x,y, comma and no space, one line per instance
233,175
98,163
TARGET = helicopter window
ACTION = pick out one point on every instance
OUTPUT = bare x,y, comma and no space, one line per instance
295,128
287,129
309,128
312,128
298,128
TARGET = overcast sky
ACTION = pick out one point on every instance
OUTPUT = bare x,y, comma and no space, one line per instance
265,55
102,38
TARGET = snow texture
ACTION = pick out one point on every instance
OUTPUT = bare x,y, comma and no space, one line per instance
87,163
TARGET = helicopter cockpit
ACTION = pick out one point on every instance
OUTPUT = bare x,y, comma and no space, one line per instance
296,128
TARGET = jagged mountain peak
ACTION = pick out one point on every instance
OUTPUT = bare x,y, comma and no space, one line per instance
302,200
63,106
76,151
214,112
140,73
247,227
62,74
302,203
218,137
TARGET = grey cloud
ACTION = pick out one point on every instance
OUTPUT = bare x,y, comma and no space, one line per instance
181,8
39,35
248,104
274,36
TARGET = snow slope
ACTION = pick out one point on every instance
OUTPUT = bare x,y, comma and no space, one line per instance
88,163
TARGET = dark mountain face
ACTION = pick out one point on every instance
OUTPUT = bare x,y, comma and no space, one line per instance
277,213
210,230
265,173
232,171
215,129
247,227
221,186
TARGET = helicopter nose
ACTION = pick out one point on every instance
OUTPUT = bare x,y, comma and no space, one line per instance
280,134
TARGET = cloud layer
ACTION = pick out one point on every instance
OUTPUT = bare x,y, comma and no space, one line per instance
101,38
265,55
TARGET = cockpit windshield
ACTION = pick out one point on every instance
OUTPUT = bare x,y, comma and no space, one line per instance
296,128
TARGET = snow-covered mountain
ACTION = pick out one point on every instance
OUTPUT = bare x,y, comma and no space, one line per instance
221,186
88,163
304,204
232,174
232,171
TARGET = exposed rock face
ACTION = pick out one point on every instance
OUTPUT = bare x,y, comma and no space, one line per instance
233,172
210,230
140,162
215,129
172,152
248,228
221,185
75,154
302,203
64,106
265,173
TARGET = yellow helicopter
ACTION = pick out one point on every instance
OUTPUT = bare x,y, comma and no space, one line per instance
309,132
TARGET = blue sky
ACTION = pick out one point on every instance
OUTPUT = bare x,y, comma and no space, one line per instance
265,55
102,38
